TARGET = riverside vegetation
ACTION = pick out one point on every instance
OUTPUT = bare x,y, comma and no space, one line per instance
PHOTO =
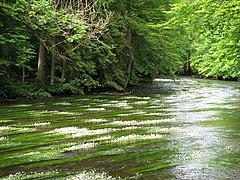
50,47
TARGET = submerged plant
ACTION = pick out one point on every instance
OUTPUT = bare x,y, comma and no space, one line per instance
85,146
136,137
78,132
84,175
92,175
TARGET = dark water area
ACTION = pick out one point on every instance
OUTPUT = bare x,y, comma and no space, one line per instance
182,129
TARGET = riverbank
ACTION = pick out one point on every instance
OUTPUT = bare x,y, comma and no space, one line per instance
46,94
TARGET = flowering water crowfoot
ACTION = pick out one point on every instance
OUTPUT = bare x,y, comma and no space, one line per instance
138,123
2,138
63,103
79,132
98,120
96,109
31,175
47,113
137,97
136,137
85,146
92,175
141,102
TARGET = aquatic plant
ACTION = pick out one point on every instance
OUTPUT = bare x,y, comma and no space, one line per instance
5,130
2,138
140,102
136,97
96,109
78,132
138,123
92,175
84,146
118,104
83,175
136,137
133,113
63,103
31,175
37,124
55,112
95,134
98,120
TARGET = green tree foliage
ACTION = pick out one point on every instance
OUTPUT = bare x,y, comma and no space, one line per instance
62,28
144,43
78,45
214,31
76,49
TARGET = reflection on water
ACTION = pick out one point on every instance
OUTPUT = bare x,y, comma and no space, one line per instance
182,129
198,106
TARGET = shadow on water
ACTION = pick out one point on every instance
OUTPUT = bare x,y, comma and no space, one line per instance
182,129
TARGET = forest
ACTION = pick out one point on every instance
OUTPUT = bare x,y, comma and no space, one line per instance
64,47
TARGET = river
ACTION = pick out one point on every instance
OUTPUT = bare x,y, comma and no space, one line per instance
170,129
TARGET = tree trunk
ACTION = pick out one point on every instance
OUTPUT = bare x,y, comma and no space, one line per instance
41,61
54,59
130,61
154,74
71,74
23,74
63,68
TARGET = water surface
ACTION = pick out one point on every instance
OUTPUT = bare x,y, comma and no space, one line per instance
182,129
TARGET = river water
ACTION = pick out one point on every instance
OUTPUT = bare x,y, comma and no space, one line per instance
170,129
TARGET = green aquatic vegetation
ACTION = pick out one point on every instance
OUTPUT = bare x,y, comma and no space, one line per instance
143,155
138,123
3,121
143,135
227,160
93,175
124,104
34,155
97,120
140,102
21,105
79,132
163,130
32,175
6,144
136,112
95,109
63,104
37,124
81,147
2,138
84,175
135,137
10,130
118,150
152,167
52,113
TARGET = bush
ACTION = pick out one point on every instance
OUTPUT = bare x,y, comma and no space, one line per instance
73,87
21,90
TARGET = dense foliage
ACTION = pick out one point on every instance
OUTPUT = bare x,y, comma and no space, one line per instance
213,29
58,47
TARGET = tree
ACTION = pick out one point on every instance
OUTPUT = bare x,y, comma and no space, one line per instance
214,30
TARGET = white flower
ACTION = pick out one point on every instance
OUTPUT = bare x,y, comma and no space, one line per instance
78,132
96,109
136,137
81,147
63,103
98,120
